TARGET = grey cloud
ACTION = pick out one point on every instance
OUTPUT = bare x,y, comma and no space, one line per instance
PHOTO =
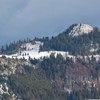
29,18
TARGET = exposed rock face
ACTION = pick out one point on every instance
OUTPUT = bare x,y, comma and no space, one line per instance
80,29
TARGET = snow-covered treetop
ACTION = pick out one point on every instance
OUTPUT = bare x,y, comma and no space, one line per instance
80,29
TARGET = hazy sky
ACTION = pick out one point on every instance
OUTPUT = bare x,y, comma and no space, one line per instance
29,18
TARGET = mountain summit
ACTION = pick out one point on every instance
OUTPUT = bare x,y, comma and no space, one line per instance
80,29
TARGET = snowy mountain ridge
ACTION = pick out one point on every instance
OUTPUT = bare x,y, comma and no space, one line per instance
80,29
32,49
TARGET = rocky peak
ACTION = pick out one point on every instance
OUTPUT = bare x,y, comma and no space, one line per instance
80,29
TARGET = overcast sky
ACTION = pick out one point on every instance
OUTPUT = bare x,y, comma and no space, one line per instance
29,18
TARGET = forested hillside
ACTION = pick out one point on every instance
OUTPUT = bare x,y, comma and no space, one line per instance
81,44
64,67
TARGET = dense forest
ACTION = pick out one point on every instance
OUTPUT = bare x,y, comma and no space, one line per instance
54,78
77,80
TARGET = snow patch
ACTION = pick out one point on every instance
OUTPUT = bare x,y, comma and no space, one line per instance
32,46
93,50
4,89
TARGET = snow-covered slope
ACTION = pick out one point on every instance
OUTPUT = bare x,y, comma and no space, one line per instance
80,29
32,46
32,51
